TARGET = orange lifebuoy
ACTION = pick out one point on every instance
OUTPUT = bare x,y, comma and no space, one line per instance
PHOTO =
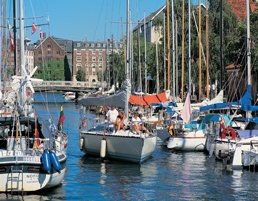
84,122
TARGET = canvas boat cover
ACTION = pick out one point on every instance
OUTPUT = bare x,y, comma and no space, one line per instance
148,99
119,99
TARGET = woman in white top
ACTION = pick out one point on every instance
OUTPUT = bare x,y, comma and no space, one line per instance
137,124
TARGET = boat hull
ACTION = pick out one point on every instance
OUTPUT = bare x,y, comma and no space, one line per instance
163,134
21,173
192,141
124,146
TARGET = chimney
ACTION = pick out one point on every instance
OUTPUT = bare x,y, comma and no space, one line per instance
44,35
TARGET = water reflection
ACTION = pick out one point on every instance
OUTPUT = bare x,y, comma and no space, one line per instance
53,194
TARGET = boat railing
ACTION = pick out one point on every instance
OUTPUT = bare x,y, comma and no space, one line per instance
25,143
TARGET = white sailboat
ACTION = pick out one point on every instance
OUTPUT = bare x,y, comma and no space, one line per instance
245,154
124,145
31,156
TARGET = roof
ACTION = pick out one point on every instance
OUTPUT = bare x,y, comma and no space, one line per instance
150,17
239,8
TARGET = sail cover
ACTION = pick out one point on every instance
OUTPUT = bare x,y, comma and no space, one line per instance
120,99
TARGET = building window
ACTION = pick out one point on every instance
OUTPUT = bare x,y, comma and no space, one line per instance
78,44
48,52
40,52
100,52
104,45
49,65
100,66
58,52
92,45
78,65
93,73
93,65
79,52
93,51
48,45
100,58
93,58
98,45
57,59
40,59
78,59
86,65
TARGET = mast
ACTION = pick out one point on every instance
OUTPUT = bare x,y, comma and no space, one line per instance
22,62
189,44
164,41
248,40
173,47
200,53
127,49
168,44
207,51
145,68
221,44
14,37
183,47
139,57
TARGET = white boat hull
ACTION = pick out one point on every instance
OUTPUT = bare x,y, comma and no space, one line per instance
124,146
193,141
23,173
243,146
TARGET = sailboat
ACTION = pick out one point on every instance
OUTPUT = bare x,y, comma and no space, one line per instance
124,145
32,156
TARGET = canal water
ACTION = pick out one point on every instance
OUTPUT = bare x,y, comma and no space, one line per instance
164,176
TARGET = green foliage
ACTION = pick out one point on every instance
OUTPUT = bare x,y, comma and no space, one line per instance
80,75
51,70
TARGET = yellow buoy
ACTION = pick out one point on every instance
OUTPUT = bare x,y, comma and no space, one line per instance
103,148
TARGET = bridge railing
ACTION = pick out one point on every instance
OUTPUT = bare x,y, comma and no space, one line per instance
68,84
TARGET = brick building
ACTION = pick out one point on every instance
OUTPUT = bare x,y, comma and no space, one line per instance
92,57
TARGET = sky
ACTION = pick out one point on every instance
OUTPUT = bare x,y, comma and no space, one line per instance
80,20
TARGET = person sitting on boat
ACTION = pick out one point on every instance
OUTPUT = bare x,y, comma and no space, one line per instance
121,121
137,124
111,115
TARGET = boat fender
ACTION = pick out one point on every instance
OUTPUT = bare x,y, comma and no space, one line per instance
103,148
54,161
46,161
170,129
81,143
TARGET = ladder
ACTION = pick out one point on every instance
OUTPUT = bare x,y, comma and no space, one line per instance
15,181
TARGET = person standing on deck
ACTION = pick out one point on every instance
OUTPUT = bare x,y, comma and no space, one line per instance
111,115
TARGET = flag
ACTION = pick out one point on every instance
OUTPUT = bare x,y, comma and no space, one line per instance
10,26
186,112
6,68
36,134
11,41
61,119
33,28
40,34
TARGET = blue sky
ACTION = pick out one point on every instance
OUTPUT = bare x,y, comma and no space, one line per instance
89,20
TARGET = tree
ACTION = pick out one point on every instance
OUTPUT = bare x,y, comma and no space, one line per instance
51,70
80,75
